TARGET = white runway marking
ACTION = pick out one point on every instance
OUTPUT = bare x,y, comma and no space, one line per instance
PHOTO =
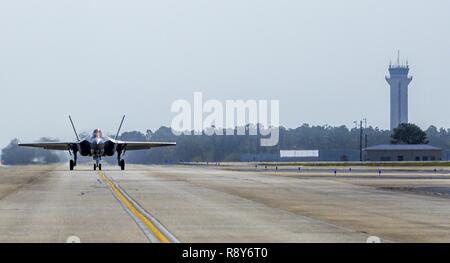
373,239
73,239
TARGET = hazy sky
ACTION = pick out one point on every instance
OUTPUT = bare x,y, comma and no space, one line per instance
324,60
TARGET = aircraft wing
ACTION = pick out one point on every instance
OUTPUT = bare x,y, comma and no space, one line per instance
129,146
49,145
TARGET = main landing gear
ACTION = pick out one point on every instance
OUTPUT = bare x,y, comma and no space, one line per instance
120,162
73,163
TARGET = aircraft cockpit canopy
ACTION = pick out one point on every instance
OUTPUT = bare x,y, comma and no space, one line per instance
97,133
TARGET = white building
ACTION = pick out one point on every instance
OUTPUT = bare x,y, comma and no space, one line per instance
399,80
299,155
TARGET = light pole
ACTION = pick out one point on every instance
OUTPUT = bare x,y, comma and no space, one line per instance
365,134
361,136
360,140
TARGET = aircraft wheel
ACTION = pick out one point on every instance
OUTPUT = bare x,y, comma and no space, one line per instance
99,166
95,166
122,164
71,164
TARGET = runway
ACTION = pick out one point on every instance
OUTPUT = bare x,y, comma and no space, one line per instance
221,204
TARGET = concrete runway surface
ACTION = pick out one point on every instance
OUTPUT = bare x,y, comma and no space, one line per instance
232,203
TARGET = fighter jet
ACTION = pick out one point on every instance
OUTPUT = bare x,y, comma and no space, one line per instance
97,145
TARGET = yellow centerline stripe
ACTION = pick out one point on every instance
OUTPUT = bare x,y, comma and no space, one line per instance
135,211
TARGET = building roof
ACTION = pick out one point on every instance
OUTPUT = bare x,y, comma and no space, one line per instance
401,147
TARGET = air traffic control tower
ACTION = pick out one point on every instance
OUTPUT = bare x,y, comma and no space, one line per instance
399,80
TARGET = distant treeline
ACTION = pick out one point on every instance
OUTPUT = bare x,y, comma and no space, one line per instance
192,148
13,154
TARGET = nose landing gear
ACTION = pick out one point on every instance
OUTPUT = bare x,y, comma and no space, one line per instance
99,166
97,163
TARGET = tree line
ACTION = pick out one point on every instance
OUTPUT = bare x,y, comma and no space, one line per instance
215,148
